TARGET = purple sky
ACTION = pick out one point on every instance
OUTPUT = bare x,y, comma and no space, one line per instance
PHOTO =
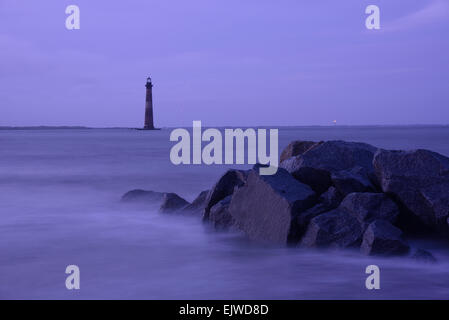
233,62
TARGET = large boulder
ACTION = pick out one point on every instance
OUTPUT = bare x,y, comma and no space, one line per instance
198,205
335,228
382,238
367,207
219,215
356,179
328,201
419,180
266,206
224,187
296,148
171,202
315,166
344,226
143,196
303,219
331,198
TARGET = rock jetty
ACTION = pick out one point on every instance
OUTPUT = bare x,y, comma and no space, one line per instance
329,194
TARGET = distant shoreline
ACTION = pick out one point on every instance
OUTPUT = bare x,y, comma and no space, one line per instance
55,128
262,126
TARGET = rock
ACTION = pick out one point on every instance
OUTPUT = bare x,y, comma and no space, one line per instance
171,202
142,196
315,166
199,204
382,238
425,256
224,187
319,180
344,226
331,198
352,180
305,217
219,215
335,228
419,180
367,207
266,206
296,148
327,202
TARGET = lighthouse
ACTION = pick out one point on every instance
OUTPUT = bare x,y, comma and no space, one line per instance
149,125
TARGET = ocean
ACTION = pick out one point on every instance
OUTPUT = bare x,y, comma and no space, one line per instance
60,205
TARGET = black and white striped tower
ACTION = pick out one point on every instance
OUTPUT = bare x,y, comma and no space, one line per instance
149,124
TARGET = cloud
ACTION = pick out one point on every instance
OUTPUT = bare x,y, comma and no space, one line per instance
436,11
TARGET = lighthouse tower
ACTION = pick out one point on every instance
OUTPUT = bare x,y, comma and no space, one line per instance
149,125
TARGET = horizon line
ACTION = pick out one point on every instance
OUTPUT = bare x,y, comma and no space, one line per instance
80,127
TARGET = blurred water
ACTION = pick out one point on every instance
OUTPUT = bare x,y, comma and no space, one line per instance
59,205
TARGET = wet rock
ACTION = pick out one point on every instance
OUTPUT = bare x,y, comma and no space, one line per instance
335,228
367,207
198,205
219,215
171,202
319,180
305,217
382,238
315,166
296,148
142,196
352,180
266,206
425,256
419,180
224,187
167,202
328,201
331,198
